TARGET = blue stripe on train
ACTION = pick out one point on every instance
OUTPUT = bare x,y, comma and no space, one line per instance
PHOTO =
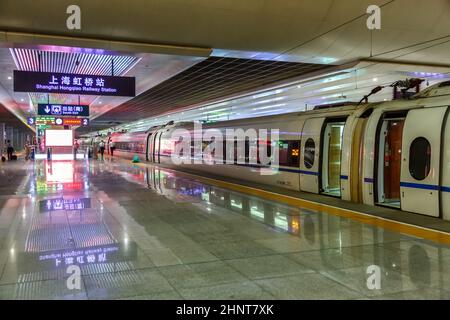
419,186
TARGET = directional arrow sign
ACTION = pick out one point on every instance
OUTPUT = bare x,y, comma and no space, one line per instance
63,110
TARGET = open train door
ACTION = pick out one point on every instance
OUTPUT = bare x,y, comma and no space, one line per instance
421,153
310,151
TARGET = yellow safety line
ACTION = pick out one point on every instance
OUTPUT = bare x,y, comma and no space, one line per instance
388,224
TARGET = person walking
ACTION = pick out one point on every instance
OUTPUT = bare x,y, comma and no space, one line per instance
9,150
112,147
102,148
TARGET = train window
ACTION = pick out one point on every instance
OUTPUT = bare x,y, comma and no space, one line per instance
420,158
289,153
310,151
267,146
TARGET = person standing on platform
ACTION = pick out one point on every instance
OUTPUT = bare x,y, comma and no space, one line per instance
102,148
9,150
76,146
112,147
27,150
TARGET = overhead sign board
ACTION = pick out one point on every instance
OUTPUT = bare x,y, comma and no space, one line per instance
63,110
51,82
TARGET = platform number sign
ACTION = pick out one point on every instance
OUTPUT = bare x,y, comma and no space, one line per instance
31,121
85,122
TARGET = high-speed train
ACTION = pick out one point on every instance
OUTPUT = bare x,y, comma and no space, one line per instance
393,153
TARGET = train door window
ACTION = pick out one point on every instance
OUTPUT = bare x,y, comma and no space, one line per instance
389,162
331,158
420,158
310,152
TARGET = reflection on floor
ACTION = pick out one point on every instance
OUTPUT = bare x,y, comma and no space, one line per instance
150,233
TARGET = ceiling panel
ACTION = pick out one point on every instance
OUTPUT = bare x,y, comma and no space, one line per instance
210,79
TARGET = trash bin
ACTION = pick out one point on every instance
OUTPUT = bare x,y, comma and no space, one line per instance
49,153
135,159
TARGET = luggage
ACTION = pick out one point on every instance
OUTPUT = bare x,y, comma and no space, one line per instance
13,157
3,159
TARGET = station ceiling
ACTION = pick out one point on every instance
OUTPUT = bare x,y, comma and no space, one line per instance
163,43
210,79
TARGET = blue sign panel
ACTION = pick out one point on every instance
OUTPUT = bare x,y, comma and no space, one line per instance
63,110
31,121
50,82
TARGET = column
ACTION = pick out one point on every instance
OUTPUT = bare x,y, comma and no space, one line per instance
2,138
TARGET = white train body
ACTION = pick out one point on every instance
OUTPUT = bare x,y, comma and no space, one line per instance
394,153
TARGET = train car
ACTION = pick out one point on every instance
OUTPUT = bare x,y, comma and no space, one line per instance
393,153
127,145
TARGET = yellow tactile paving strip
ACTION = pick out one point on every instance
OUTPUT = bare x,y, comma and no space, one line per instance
388,224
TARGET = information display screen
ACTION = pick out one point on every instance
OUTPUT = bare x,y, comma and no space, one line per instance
58,138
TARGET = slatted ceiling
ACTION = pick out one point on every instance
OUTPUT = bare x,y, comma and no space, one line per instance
61,62
210,79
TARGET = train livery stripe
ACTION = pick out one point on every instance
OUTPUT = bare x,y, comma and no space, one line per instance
419,186
343,177
445,189
368,180
311,173
258,166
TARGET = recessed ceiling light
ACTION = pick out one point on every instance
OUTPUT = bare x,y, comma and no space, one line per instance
99,102
375,79
21,100
9,77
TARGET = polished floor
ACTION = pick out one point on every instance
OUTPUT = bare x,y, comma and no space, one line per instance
143,232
